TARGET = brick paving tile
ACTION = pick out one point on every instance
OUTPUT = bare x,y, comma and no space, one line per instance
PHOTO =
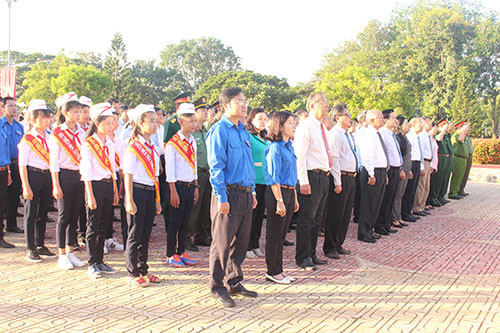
441,274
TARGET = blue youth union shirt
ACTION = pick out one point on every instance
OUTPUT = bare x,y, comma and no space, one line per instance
281,164
229,157
14,134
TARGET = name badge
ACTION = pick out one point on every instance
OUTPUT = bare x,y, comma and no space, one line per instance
248,143
19,133
259,164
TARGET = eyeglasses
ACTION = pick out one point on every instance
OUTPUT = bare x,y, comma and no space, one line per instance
240,102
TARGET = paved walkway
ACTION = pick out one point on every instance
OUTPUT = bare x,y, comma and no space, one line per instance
441,274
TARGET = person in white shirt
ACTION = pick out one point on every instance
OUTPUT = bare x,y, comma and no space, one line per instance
424,183
314,162
361,120
344,171
373,177
417,168
98,170
394,173
141,167
34,168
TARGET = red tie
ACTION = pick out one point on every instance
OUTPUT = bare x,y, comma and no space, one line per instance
152,147
327,146
106,150
75,137
42,139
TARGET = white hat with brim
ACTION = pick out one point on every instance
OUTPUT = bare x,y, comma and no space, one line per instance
37,104
101,110
186,108
61,100
84,100
139,111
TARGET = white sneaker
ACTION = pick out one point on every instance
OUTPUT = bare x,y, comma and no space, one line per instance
250,255
105,248
64,262
258,252
290,278
113,244
74,260
284,280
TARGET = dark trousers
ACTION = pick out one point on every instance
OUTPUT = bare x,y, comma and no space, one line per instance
13,193
276,229
82,222
467,173
447,175
411,189
357,199
311,216
69,207
432,180
384,219
179,219
139,231
123,216
339,211
4,176
98,219
438,182
35,210
199,222
229,239
371,200
296,215
257,217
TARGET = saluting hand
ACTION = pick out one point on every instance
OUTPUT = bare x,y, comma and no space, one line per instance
305,189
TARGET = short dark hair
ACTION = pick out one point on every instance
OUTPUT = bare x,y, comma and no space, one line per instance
112,100
8,98
40,113
401,120
248,122
339,109
227,94
277,121
387,113
124,107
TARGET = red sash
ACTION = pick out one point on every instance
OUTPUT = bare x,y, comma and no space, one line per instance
148,161
101,156
68,145
37,147
185,149
117,160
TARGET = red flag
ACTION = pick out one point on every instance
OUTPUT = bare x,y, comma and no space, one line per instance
8,82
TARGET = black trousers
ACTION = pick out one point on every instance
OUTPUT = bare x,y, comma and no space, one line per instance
199,222
35,210
98,219
82,222
13,193
311,216
296,215
339,211
384,219
357,199
411,189
69,207
371,200
123,216
257,217
276,229
466,175
139,231
179,219
4,177
229,239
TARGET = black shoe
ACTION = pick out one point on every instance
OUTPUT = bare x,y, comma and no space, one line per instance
463,194
399,225
446,201
307,264
333,254
436,204
343,251
375,236
403,224
381,232
319,261
224,299
454,197
367,240
409,219
19,214
206,242
242,291
416,217
193,248
32,255
288,243
44,251
15,230
293,226
50,220
6,245
392,231
419,213
427,209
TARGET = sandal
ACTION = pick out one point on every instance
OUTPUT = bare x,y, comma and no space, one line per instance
152,278
138,282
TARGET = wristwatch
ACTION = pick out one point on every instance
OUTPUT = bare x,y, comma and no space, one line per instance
280,200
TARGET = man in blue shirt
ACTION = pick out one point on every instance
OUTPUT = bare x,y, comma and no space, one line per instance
14,131
233,181
5,179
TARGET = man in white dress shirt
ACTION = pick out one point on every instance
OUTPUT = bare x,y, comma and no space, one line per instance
424,183
361,118
373,177
314,162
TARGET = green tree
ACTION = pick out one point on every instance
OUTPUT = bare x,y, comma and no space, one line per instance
117,66
199,59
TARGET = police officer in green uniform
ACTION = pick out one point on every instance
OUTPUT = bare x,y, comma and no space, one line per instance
218,115
470,150
199,222
449,165
460,155
172,124
436,198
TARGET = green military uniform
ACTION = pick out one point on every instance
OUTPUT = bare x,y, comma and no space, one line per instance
470,150
439,184
449,166
460,154
172,126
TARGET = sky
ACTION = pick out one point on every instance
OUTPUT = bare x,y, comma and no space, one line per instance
283,38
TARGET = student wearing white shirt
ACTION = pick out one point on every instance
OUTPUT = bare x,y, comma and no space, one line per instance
34,169
394,173
424,182
373,178
141,166
314,162
67,187
343,184
97,167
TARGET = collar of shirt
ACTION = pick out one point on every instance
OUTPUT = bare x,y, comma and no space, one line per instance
386,130
188,139
107,143
225,120
147,144
65,126
4,121
35,133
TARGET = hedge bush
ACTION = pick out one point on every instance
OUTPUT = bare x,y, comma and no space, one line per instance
486,151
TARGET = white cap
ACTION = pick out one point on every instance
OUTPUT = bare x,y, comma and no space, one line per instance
84,100
186,108
101,109
61,100
37,104
139,111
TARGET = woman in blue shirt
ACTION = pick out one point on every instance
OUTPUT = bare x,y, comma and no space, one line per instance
281,197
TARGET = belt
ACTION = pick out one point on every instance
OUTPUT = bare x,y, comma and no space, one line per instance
445,155
287,187
428,159
321,172
38,170
3,168
464,157
69,170
187,184
104,180
13,161
239,187
144,187
204,170
347,173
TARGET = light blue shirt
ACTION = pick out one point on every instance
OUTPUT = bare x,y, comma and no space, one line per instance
281,164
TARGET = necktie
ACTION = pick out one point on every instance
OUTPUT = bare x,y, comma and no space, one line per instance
385,149
421,152
75,137
44,142
352,149
397,146
152,147
330,157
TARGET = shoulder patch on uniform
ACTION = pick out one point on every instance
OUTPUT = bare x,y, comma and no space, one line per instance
173,120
